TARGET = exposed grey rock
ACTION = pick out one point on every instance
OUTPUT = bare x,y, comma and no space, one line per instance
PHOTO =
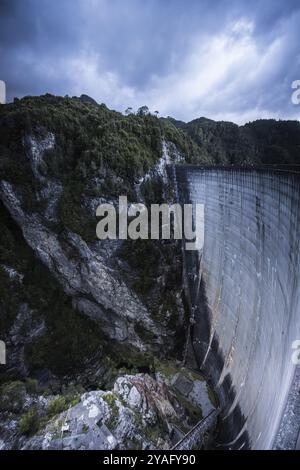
141,411
51,192
96,288
110,420
24,329
13,274
36,147
170,154
87,99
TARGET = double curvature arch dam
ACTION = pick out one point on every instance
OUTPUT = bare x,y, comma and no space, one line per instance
244,295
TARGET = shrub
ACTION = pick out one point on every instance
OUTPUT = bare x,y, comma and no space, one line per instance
111,400
29,422
57,405
12,396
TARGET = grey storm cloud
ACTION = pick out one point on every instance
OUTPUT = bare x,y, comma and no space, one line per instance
232,60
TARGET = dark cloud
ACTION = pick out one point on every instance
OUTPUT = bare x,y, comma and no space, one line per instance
235,59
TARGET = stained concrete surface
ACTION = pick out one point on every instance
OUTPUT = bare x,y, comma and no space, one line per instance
247,305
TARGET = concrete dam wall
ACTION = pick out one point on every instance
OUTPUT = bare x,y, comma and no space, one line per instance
244,295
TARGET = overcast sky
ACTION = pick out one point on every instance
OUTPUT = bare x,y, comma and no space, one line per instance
229,60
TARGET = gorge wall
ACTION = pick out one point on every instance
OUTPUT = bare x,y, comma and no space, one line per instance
247,305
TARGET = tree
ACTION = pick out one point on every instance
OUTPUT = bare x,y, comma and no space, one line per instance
156,113
128,111
143,111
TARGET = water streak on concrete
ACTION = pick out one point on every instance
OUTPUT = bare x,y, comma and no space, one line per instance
247,306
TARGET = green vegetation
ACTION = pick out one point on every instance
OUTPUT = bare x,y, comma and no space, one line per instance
157,265
262,141
144,257
90,142
146,335
14,254
127,358
60,403
85,428
57,405
166,368
170,368
153,433
73,215
111,399
30,422
12,396
193,412
36,419
69,338
31,385
151,259
188,148
102,152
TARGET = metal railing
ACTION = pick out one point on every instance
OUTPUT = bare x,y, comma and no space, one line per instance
195,437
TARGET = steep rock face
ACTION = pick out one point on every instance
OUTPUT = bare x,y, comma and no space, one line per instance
96,288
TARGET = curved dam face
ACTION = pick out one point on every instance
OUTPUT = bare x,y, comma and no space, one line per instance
244,294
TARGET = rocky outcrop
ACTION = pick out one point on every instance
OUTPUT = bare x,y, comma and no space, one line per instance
141,412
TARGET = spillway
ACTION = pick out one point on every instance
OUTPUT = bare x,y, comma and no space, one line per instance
244,292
